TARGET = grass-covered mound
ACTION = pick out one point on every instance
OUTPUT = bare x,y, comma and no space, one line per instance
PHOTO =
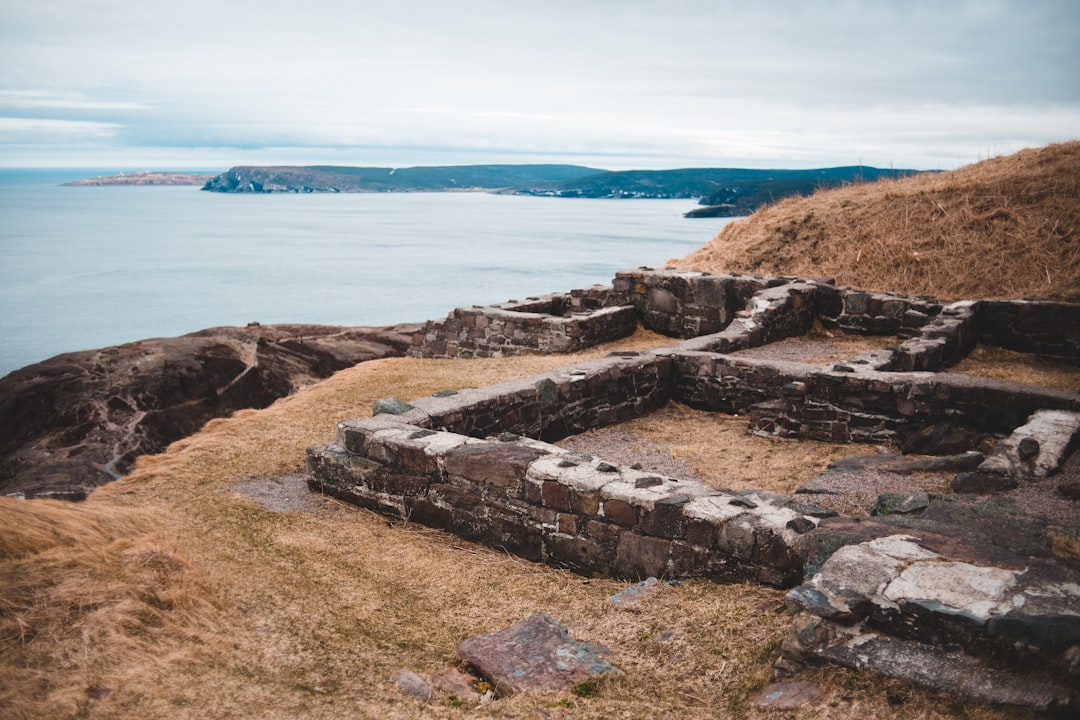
1008,227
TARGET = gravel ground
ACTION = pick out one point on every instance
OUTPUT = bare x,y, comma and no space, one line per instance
287,493
625,448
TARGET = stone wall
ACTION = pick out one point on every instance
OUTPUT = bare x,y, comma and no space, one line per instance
555,405
545,504
1041,328
851,404
556,323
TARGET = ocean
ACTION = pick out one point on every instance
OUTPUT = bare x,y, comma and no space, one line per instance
89,267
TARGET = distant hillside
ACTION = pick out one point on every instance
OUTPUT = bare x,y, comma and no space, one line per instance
1006,227
726,192
248,179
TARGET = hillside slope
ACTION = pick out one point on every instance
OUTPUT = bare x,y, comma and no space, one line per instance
1005,227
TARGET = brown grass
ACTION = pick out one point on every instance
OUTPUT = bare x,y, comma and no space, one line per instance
1000,364
167,595
1007,227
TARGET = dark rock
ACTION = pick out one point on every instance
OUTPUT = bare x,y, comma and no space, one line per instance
901,465
1070,490
900,503
817,486
977,482
534,654
548,392
1028,448
942,439
390,406
800,525
812,510
79,420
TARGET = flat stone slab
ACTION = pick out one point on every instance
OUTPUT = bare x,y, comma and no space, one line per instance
534,654
1036,449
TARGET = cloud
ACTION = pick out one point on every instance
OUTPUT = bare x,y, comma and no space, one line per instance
678,83
41,129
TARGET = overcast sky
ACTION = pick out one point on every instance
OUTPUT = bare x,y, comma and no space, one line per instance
155,84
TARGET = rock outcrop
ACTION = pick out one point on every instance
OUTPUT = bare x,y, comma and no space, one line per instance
79,420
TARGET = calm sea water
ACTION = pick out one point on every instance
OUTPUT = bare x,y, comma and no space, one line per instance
89,267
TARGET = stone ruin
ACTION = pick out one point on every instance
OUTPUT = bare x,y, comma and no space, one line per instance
928,590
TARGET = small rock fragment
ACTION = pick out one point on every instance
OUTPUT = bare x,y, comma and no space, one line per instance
392,406
634,592
1027,448
413,685
460,684
900,503
789,695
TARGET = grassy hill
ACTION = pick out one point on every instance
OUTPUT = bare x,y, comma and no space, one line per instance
725,192
1006,227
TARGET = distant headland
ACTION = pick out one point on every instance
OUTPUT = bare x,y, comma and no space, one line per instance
144,178
724,192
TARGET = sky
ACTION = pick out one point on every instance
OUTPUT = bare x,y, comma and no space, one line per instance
198,84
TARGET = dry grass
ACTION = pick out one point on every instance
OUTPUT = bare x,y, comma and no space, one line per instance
1007,227
1000,364
167,595
721,449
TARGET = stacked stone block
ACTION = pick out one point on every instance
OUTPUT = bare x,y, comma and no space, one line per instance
795,400
545,504
556,323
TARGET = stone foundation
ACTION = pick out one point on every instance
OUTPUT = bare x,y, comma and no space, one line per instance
915,600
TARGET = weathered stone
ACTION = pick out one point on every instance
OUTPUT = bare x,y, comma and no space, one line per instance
634,592
621,512
800,525
501,465
413,685
391,406
980,482
1027,448
460,684
900,503
534,654
640,556
666,519
1037,448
